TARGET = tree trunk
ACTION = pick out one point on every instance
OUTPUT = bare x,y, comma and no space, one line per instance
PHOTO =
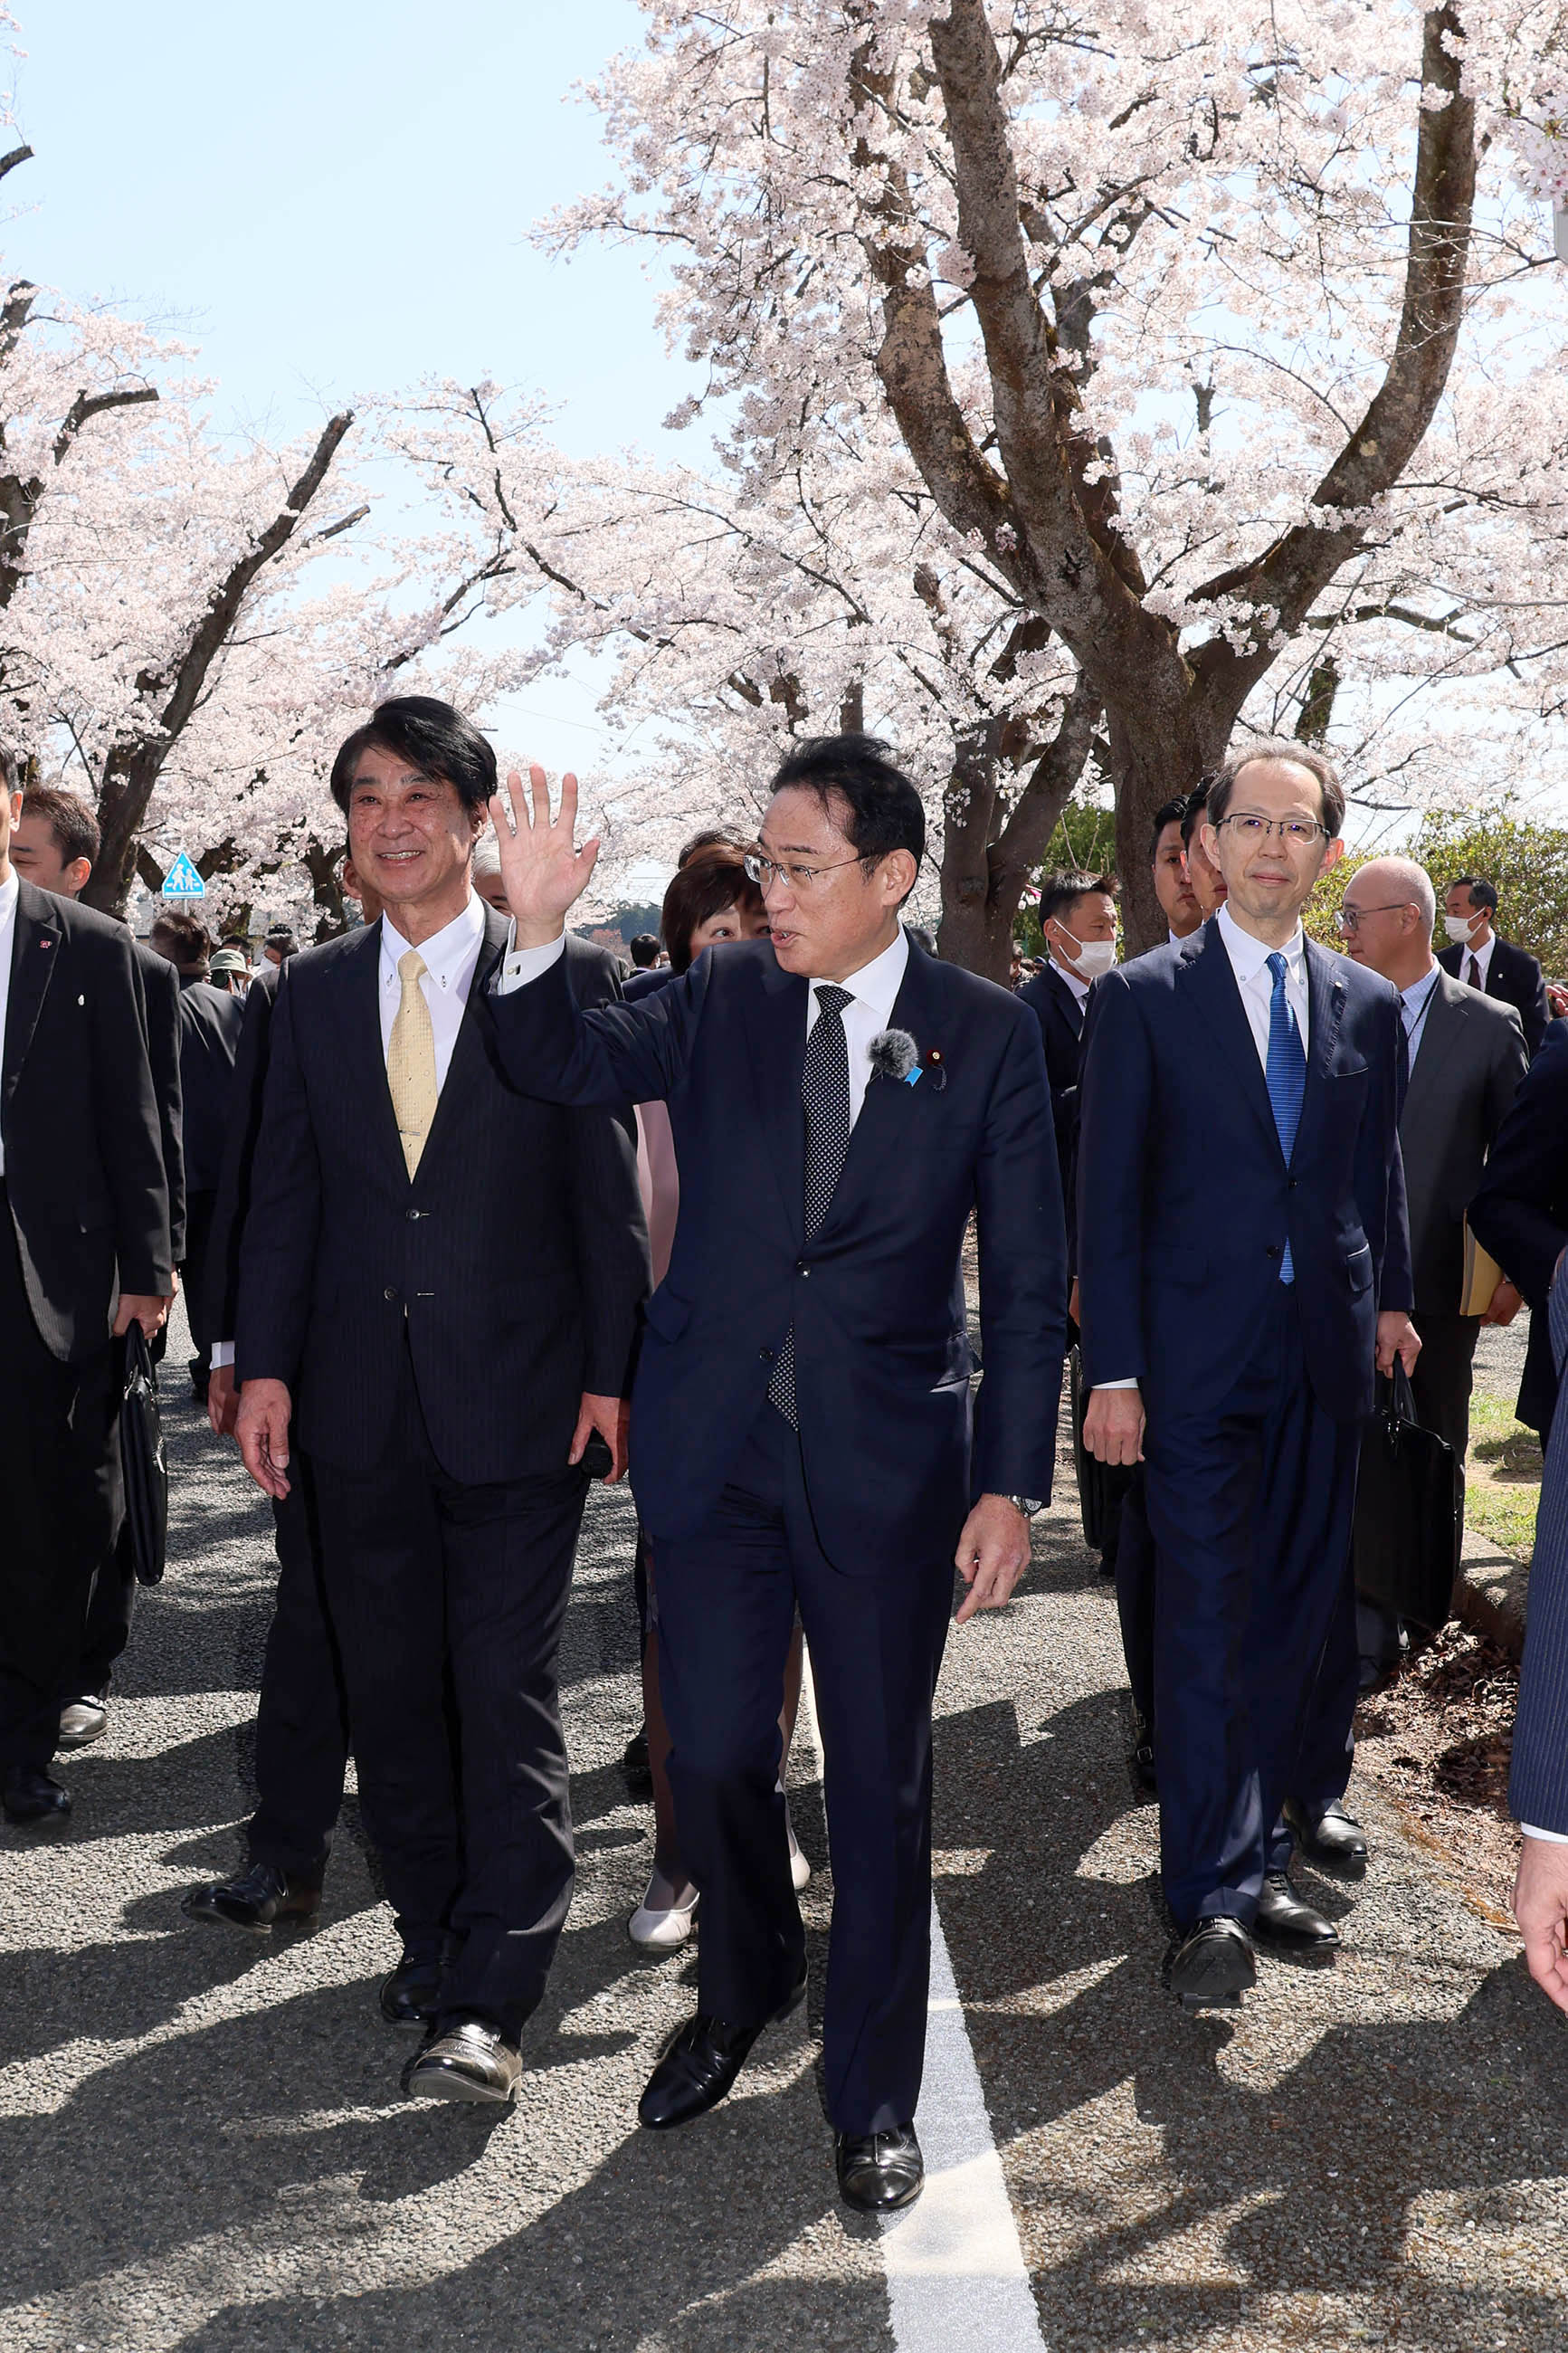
986,868
1154,755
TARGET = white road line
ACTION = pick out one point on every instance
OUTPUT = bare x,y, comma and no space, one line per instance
957,2282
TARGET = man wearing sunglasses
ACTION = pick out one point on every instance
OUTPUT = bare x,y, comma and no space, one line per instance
801,1425
1243,1263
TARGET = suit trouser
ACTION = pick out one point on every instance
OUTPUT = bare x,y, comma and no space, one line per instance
433,1584
55,1429
1135,1596
199,1209
1250,1508
727,1602
301,1717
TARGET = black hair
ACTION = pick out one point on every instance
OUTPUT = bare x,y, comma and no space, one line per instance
187,936
68,818
283,940
1194,810
1061,890
1482,893
922,937
714,837
1168,813
1317,763
644,950
884,812
716,878
432,737
10,773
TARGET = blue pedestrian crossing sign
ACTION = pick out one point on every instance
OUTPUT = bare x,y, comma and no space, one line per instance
182,881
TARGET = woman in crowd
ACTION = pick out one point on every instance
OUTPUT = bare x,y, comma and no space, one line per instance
711,901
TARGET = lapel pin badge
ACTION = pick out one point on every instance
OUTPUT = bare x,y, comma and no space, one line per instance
932,1061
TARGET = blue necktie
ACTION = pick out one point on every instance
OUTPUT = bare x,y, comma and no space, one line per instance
1286,1072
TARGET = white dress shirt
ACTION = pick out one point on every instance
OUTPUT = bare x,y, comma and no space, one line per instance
449,957
1414,1004
1249,961
10,890
874,988
1075,981
1483,957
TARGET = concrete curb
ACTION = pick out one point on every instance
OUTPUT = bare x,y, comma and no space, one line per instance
1491,1593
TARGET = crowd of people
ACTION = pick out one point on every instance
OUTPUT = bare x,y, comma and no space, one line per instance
465,1215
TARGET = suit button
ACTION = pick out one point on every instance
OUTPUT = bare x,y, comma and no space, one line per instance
389,1293
1270,1249
766,1355
801,1267
1289,1183
414,1217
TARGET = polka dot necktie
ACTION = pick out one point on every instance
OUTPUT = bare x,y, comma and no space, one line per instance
825,1097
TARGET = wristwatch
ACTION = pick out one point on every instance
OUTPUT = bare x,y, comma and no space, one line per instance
1027,1505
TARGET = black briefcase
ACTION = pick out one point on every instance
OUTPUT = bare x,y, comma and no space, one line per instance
1100,1486
143,1467
1406,1547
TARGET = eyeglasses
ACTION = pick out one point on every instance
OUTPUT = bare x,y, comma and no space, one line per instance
1299,832
1349,918
763,870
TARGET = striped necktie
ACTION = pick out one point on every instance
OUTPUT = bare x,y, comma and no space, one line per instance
1286,1072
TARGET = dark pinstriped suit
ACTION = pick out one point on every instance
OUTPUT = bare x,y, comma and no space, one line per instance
436,1335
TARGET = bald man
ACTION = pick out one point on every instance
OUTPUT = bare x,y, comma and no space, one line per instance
1467,1056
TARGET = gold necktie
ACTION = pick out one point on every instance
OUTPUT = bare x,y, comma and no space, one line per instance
411,1062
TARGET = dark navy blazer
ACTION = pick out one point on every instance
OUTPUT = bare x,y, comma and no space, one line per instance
882,1359
1184,1201
1520,1213
1514,977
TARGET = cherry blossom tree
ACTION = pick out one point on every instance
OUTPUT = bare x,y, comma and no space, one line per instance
1227,348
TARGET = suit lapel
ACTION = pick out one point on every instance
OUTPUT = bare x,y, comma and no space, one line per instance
1209,980
890,1108
776,1024
35,951
468,1065
1326,1004
362,980
1440,1035
1073,1011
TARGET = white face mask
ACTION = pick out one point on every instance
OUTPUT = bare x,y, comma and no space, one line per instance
1092,956
1461,928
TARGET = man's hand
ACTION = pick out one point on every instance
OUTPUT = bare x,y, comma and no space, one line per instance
1113,1426
541,866
262,1429
611,1416
1504,1305
145,1307
1541,1908
1396,1336
993,1554
223,1401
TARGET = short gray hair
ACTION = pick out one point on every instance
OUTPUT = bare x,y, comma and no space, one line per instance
1301,755
487,855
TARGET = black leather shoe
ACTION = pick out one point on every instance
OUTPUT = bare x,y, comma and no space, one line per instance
700,2064
1213,1964
32,1796
408,1994
1330,1838
83,1721
256,1900
470,2060
878,2172
1284,1920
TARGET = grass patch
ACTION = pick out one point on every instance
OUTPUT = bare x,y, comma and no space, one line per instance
1502,1482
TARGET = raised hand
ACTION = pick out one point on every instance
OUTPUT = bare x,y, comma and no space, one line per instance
544,870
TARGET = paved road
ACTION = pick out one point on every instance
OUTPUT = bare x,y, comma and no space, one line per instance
203,2144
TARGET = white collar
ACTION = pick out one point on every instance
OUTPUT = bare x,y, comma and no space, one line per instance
878,984
1075,981
10,891
446,951
1250,955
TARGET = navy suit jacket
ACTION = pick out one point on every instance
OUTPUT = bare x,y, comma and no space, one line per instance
511,1267
1184,1201
1061,1020
1520,1213
882,1356
1515,977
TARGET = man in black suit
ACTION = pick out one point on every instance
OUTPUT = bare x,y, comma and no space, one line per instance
1479,955
1078,917
84,1250
210,1023
801,1428
1521,1212
442,1362
56,847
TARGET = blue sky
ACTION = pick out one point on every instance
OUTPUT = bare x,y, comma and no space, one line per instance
336,198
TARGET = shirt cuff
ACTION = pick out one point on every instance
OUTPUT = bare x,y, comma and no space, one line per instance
1552,1838
1115,1385
521,965
220,1352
